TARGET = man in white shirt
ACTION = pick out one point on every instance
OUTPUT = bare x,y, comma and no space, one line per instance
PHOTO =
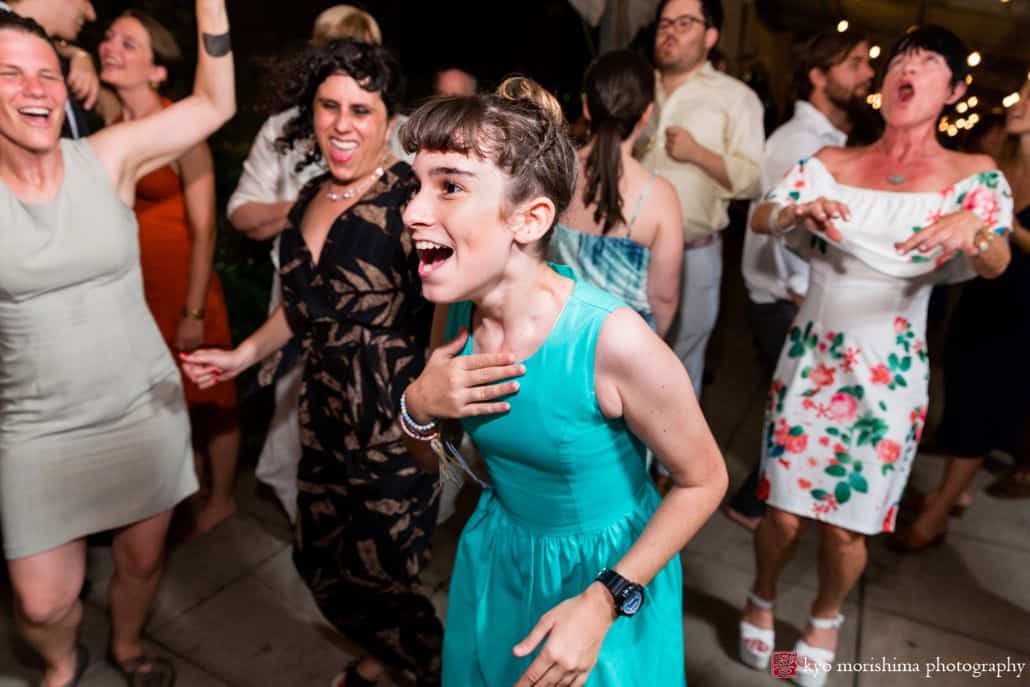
832,73
707,140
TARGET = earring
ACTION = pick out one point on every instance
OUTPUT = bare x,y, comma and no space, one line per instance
155,85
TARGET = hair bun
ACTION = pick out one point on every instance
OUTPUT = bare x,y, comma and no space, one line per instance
524,88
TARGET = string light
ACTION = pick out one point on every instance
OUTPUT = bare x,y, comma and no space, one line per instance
961,108
842,26
973,59
874,99
1010,100
969,79
973,119
973,101
874,52
952,130
961,124
943,125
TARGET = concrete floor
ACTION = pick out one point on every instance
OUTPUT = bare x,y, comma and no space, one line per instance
232,611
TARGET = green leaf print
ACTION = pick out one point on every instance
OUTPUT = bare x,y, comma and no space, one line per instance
794,195
795,333
918,258
900,381
796,351
916,230
870,429
842,492
843,458
858,483
832,431
797,430
820,494
886,467
776,451
857,467
883,406
836,471
892,360
805,372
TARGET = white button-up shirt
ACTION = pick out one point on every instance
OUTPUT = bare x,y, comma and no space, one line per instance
723,115
769,269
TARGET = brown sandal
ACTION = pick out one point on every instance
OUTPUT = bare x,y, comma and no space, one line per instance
350,677
145,671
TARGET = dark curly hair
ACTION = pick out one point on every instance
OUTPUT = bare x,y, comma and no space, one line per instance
372,66
520,128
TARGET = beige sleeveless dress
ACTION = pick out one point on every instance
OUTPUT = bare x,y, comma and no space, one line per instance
93,427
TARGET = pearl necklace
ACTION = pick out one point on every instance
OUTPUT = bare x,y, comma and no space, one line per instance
349,193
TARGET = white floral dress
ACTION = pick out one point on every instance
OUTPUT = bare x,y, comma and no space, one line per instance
849,396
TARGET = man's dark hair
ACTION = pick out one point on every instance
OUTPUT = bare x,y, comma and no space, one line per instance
938,39
823,51
711,10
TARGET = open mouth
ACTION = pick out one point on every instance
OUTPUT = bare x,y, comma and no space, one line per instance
431,256
341,151
37,116
906,91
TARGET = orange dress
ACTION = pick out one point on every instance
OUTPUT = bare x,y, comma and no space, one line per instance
165,246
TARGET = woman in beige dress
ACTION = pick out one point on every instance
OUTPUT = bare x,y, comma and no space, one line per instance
94,433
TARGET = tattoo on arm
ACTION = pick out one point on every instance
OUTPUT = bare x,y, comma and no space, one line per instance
217,46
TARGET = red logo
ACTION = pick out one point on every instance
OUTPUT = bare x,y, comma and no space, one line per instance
784,664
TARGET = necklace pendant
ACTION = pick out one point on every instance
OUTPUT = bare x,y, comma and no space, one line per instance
896,179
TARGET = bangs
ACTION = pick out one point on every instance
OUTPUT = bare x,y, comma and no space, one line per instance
462,124
936,39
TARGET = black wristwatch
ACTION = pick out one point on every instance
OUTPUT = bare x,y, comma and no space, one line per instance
628,596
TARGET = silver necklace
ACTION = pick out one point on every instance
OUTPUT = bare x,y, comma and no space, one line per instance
349,193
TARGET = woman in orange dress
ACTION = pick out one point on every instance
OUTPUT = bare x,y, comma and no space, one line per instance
175,207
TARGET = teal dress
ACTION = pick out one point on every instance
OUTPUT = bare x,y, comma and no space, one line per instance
569,496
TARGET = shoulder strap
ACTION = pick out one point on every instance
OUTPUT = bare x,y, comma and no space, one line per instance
640,204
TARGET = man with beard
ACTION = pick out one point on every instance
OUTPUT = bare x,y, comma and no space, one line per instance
708,142
832,74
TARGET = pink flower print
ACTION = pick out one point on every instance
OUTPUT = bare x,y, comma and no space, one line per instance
850,358
900,325
796,444
981,201
808,404
824,441
822,347
782,432
822,375
888,451
839,448
881,375
800,183
843,407
918,414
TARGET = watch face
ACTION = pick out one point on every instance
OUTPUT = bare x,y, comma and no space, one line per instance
632,599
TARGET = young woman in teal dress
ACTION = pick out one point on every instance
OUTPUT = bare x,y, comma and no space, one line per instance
563,388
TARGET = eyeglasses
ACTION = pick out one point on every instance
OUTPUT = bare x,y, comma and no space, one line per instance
681,23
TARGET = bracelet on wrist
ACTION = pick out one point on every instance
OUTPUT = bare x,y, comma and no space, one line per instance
193,314
419,432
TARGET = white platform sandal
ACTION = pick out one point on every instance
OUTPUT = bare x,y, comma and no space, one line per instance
812,662
759,660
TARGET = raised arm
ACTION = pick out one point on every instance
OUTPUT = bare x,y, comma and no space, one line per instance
666,268
132,149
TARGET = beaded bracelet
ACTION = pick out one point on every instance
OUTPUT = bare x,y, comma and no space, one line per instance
426,432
